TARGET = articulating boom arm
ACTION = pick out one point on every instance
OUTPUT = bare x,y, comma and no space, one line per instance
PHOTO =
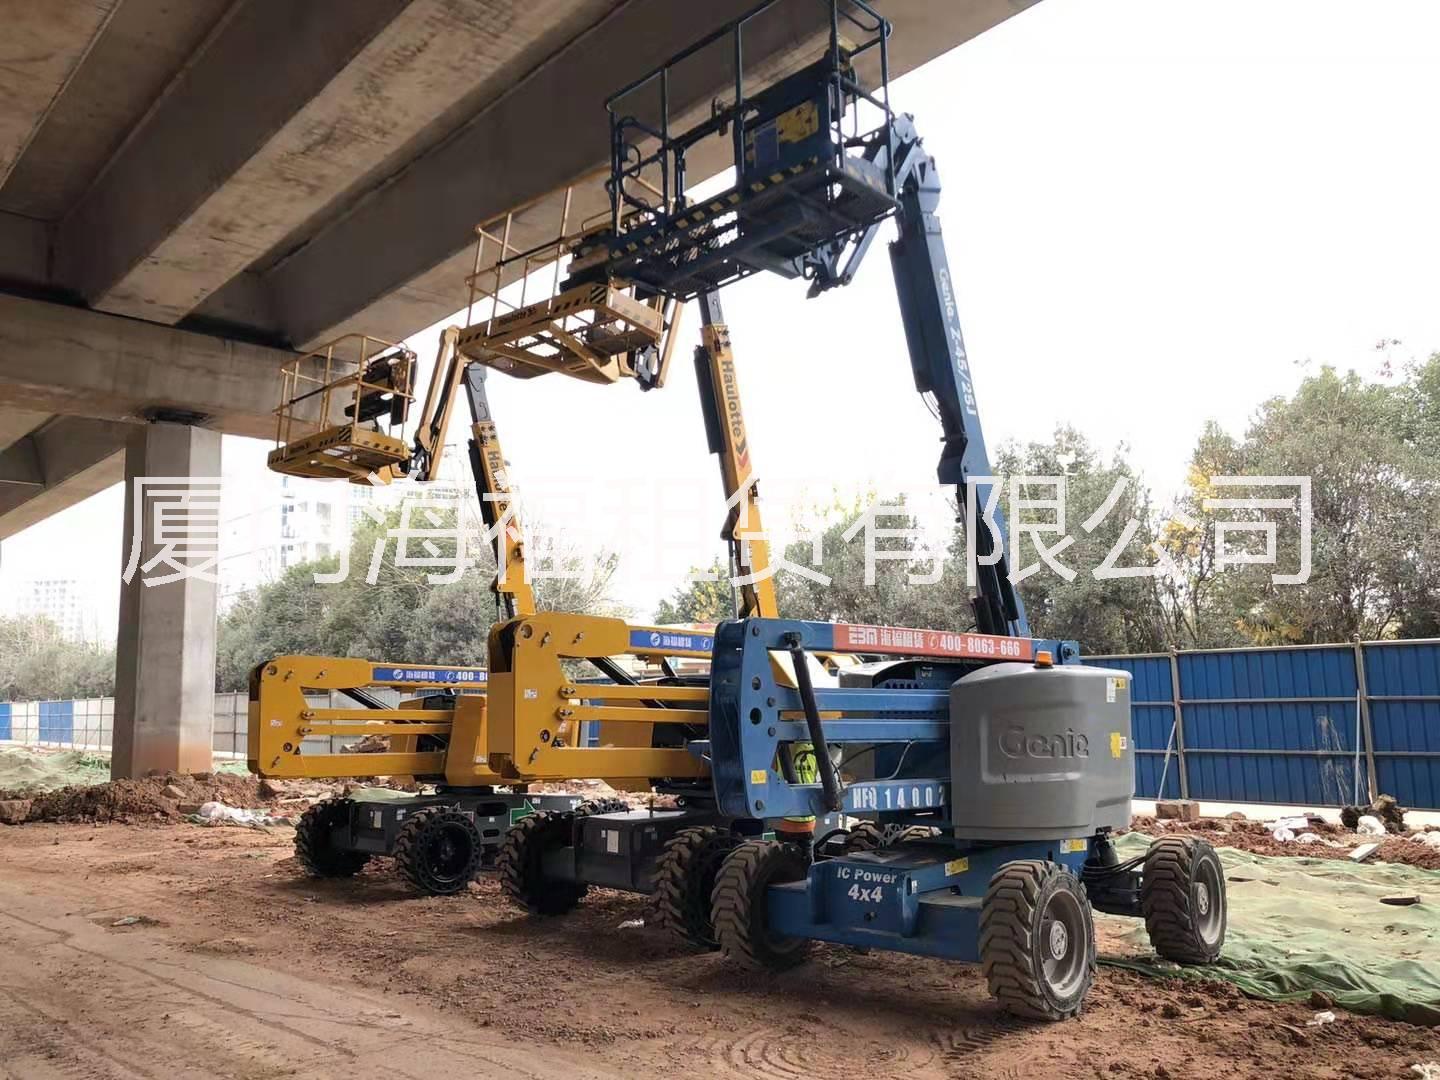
725,434
487,463
937,356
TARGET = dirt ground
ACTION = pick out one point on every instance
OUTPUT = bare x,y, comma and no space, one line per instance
226,962
1336,841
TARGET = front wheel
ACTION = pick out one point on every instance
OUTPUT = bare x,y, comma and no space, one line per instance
740,907
1037,940
1182,896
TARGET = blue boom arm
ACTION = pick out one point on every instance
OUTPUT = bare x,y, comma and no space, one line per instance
937,354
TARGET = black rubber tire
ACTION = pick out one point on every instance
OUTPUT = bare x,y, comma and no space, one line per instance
1015,947
868,836
520,865
1182,896
313,848
601,806
438,849
914,832
739,907
685,878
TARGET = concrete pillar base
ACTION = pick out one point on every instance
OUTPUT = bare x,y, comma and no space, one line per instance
165,649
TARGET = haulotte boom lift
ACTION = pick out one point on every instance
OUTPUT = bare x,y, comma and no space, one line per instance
480,735
1000,765
346,420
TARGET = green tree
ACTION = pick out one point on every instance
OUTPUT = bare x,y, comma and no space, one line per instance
37,664
700,600
898,594
400,616
1104,614
1369,450
1200,603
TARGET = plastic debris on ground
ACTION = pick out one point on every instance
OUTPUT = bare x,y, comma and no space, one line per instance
1370,826
1321,1018
215,813
1285,829
1429,1070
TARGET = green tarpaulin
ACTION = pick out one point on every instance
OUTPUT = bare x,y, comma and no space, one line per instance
1300,924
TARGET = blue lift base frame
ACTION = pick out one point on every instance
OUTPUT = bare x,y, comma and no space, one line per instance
922,897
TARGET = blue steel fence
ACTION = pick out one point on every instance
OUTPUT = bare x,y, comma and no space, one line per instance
1308,725
57,721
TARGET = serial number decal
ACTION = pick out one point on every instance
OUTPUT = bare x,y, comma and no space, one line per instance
902,797
913,642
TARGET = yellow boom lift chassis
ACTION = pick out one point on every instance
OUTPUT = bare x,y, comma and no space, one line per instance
483,736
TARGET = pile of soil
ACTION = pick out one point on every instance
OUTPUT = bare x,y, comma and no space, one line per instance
1254,837
1405,850
162,797
117,800
1391,814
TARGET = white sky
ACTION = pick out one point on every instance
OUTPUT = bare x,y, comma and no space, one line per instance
1157,212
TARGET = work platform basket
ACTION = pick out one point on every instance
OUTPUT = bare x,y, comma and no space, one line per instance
809,149
342,411
556,318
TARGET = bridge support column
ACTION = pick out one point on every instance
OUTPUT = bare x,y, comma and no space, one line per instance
165,649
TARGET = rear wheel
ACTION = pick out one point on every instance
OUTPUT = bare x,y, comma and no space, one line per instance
1037,940
739,905
521,864
685,878
315,847
438,850
1182,896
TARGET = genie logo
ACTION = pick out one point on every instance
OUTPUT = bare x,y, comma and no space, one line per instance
946,296
1016,743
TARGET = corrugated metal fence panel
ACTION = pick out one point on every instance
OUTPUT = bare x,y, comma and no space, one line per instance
1273,725
25,721
4,720
93,720
1402,680
57,721
228,736
1152,714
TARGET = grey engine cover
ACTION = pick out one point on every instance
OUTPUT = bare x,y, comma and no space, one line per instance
1040,753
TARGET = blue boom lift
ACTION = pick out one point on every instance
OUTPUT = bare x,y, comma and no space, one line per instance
995,766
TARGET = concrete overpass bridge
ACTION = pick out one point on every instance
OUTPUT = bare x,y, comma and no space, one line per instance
189,191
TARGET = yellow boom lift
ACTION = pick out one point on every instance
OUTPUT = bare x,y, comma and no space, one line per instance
483,736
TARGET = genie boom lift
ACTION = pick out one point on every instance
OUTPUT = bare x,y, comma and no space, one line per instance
996,766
